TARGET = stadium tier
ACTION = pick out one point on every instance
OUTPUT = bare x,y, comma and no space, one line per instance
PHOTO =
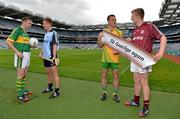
74,36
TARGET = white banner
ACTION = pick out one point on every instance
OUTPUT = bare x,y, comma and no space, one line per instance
130,51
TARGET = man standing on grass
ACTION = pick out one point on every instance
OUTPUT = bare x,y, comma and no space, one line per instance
110,60
18,41
49,51
143,37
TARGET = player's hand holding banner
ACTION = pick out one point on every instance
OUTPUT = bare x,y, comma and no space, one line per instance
130,51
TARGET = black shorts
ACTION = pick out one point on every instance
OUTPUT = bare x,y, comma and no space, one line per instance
48,63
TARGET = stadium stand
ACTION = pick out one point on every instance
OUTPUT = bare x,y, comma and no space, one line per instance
85,36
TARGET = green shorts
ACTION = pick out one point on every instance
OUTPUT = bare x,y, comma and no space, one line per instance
107,65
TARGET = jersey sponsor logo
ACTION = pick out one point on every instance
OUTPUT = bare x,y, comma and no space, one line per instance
142,32
138,38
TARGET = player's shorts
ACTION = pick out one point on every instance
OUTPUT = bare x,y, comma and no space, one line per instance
136,68
48,63
107,65
22,62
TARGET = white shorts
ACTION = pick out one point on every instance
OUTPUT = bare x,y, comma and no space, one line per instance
136,68
22,62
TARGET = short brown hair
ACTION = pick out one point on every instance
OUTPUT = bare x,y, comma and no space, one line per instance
49,20
139,12
26,18
111,15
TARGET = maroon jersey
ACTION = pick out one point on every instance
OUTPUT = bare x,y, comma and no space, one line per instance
144,36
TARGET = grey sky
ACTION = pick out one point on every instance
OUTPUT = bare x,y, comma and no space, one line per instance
89,11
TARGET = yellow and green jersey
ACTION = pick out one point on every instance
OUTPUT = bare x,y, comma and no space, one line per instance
20,39
107,55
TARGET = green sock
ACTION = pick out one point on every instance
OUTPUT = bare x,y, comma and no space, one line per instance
23,83
19,84
104,88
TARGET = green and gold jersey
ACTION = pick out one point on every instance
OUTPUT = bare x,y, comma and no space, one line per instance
108,53
20,39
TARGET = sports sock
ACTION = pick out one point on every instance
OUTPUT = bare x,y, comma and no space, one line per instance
136,98
57,90
146,104
23,83
50,85
19,86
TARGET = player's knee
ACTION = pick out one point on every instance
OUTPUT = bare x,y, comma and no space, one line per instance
116,76
136,78
137,81
56,78
145,88
48,73
104,76
144,85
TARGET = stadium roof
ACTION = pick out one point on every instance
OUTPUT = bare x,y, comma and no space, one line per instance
170,12
16,13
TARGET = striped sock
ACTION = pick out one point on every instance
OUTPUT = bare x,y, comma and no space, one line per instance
23,83
19,86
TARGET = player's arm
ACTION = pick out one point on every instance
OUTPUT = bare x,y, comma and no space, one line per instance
9,43
54,51
55,45
99,43
163,41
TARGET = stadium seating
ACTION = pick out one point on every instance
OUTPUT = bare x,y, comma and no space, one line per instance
86,38
2,44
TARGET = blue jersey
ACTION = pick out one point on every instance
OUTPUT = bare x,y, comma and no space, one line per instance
50,39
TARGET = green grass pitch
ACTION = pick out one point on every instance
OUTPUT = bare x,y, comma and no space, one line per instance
80,75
